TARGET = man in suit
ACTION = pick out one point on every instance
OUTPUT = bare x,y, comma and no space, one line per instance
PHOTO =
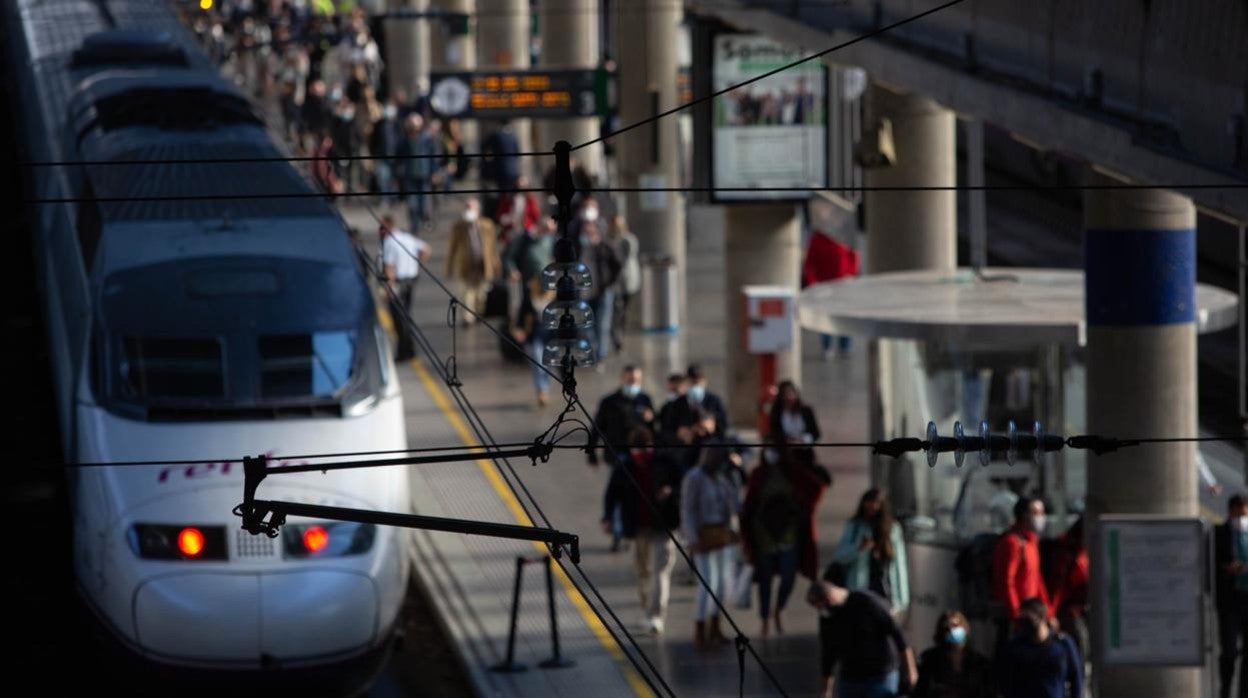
1230,541
471,257
697,399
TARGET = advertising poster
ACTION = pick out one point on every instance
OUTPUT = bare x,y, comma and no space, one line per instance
771,133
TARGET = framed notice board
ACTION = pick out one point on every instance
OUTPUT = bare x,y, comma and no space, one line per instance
1151,605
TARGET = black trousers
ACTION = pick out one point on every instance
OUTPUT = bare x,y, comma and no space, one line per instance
1233,638
404,293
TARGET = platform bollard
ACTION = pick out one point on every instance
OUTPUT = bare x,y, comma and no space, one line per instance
556,660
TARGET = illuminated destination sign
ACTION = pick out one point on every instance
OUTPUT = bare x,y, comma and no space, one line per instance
514,94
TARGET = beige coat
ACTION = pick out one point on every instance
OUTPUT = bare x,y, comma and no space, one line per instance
459,255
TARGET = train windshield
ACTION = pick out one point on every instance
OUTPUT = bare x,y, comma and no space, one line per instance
237,338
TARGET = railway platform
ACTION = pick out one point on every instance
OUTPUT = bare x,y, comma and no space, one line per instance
470,579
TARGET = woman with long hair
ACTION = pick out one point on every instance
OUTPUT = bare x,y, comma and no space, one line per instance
778,528
793,421
873,551
708,511
951,668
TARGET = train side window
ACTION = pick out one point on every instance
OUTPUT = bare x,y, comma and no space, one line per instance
90,226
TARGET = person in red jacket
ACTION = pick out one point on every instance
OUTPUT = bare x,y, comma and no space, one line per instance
828,259
1069,582
1016,573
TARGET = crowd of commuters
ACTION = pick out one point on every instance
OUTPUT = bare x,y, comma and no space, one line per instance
748,519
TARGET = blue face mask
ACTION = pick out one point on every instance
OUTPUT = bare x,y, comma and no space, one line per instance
956,635
631,390
697,392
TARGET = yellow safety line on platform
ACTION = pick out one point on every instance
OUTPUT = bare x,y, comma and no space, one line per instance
517,511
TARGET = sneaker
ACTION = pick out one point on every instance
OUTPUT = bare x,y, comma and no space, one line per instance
656,626
543,399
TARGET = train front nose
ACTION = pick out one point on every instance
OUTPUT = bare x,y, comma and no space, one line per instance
252,618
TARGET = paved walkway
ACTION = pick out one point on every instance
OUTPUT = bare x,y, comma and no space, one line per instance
471,578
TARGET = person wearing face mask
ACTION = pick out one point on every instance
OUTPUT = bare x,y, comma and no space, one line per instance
676,387
1039,662
698,398
654,552
1230,541
623,410
529,331
472,258
952,669
1016,566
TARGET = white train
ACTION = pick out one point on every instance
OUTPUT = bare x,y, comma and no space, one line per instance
184,329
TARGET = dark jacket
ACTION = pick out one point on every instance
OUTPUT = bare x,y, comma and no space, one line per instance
419,165
808,417
938,679
618,415
682,413
1223,555
1030,669
651,475
807,489
604,266
502,165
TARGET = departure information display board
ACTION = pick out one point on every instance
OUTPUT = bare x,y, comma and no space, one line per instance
505,94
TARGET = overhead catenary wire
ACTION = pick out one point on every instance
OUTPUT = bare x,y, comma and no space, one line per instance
774,71
485,437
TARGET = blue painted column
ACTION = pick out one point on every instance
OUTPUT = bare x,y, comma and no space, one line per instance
1140,261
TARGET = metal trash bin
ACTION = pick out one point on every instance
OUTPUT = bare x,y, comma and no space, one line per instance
660,301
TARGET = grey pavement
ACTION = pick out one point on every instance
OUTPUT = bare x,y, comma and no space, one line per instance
470,579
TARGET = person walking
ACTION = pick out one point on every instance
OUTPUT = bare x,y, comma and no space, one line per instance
604,269
709,506
628,250
417,154
528,254
472,257
654,552
873,552
951,668
518,212
529,332
675,393
698,398
402,255
863,639
1038,661
793,421
621,411
1230,552
778,529
383,144
1069,582
501,164
1016,566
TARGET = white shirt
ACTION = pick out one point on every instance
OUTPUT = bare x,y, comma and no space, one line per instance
401,250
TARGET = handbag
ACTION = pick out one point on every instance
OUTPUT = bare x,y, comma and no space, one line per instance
496,300
742,586
715,536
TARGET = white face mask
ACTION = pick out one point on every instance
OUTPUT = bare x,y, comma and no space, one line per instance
1241,522
1037,522
590,213
471,215
390,111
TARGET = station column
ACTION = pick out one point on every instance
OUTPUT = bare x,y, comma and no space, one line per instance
407,48
503,29
569,32
763,245
1140,251
912,229
455,49
648,32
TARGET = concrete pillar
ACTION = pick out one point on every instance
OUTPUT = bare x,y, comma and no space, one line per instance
1140,251
458,52
407,48
503,44
569,32
650,156
763,245
912,229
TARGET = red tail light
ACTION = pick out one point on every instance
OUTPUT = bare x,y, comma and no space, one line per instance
190,542
315,538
